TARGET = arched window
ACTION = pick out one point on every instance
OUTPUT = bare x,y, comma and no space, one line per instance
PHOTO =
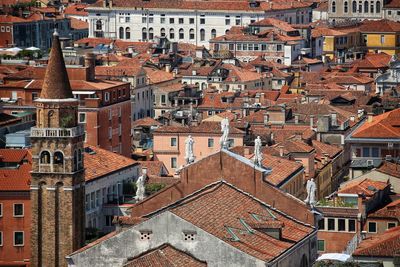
99,25
346,7
162,32
128,33
304,261
191,34
378,7
171,34
144,34
333,7
213,33
151,34
279,61
203,86
354,7
366,7
58,158
121,33
202,35
181,34
45,157
226,31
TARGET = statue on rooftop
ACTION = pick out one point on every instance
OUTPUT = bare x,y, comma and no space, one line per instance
140,191
257,151
311,188
225,132
189,154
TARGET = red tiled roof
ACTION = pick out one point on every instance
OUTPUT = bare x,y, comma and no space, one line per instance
147,121
156,168
390,168
15,178
79,24
386,244
219,210
165,256
391,210
322,148
366,186
380,26
386,125
118,70
207,127
76,9
99,162
281,169
276,23
158,76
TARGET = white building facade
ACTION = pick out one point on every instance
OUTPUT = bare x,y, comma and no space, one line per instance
189,22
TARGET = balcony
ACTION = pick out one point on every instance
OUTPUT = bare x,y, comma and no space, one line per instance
57,132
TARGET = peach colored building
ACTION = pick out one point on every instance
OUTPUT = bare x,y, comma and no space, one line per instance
169,142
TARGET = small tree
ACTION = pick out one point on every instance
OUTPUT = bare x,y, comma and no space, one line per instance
153,188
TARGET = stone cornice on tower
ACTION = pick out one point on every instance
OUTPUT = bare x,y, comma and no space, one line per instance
56,82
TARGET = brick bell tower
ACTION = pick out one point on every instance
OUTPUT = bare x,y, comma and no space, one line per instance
57,188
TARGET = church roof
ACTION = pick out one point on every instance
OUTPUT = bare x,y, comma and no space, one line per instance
56,83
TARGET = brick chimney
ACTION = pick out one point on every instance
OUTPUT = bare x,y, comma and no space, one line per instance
90,66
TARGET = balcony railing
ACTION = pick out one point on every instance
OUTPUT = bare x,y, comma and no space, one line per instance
57,132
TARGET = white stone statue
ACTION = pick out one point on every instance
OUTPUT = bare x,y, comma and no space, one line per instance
225,132
189,154
140,191
311,188
257,151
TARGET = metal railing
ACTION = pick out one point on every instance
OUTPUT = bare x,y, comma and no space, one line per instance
57,132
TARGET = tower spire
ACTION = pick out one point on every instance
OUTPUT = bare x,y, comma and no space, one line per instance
56,83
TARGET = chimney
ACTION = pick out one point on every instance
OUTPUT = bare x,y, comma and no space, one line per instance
90,66
334,121
266,119
312,121
194,73
370,117
246,151
280,151
168,68
296,119
110,3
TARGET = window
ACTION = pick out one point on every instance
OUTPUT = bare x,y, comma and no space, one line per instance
181,34
97,198
366,7
1,209
210,142
352,225
321,224
121,32
341,225
127,19
378,7
109,132
163,99
87,202
151,18
104,195
237,20
375,152
18,238
127,33
382,39
366,152
173,141
109,219
92,200
227,20
181,21
191,34
321,245
18,210
191,20
1,239
151,34
99,25
202,35
391,225
144,18
333,7
371,227
171,20
58,158
162,19
354,7
346,7
144,34
331,224
107,96
202,19
173,163
82,117
171,34
162,32
213,33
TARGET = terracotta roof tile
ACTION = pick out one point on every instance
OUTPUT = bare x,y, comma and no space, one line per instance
366,186
79,24
391,210
386,125
386,244
165,256
100,162
15,178
322,148
76,9
147,122
380,26
390,168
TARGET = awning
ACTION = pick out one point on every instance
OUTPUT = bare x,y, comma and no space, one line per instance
83,92
334,257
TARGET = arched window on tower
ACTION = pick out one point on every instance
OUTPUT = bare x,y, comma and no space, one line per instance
128,33
121,33
346,7
45,157
354,7
58,158
333,7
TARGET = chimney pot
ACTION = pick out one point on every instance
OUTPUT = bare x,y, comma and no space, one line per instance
90,66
